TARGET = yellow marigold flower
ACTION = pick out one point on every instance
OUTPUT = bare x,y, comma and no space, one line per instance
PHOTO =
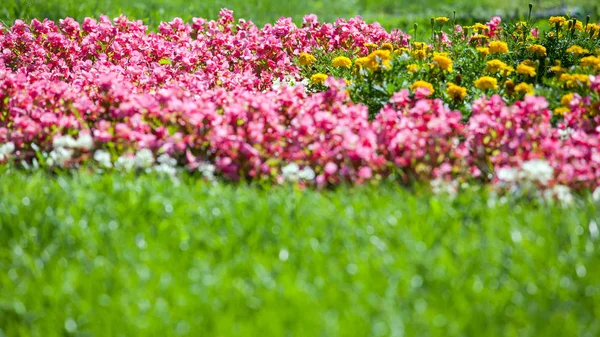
370,45
566,99
590,61
380,56
483,50
486,82
494,66
387,46
422,84
557,19
480,37
575,80
479,26
561,111
558,69
318,78
381,53
527,68
498,47
401,50
341,61
537,50
524,88
366,62
420,45
579,25
306,59
419,54
442,19
443,62
456,92
412,68
577,50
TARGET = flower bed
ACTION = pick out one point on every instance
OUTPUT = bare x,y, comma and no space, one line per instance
324,103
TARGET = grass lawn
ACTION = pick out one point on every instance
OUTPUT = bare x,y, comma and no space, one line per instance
114,255
390,13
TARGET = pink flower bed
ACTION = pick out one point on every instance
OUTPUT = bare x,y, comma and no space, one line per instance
202,94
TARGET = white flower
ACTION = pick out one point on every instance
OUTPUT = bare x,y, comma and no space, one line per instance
64,141
59,156
291,172
165,169
537,170
307,173
143,158
85,142
508,174
6,150
207,170
440,186
560,192
125,163
565,134
596,194
103,158
166,160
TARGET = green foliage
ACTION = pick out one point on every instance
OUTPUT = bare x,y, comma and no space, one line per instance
114,255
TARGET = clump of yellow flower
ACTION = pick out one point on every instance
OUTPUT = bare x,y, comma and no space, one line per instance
422,84
524,88
591,61
575,80
496,66
557,68
479,26
387,46
366,63
577,50
485,51
557,20
412,68
318,78
442,62
341,61
442,19
498,47
375,59
527,68
537,50
419,50
370,45
456,92
566,99
306,59
486,82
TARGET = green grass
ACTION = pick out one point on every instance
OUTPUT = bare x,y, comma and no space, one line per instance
111,255
391,13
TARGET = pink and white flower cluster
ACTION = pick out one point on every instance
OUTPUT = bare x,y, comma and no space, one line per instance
202,96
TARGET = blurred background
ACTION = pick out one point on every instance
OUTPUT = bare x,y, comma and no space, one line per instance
390,13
